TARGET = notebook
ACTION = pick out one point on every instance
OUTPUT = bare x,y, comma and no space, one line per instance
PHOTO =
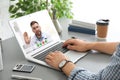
35,50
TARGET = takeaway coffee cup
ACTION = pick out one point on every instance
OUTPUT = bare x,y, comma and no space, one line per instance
102,28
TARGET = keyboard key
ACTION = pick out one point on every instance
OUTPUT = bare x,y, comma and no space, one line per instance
54,48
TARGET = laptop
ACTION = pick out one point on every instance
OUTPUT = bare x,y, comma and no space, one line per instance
36,52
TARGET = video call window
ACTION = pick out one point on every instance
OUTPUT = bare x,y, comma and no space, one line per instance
34,31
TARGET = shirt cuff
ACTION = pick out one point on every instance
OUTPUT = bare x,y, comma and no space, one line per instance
117,52
74,72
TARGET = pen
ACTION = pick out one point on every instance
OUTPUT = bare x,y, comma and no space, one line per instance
1,61
1,44
24,77
73,37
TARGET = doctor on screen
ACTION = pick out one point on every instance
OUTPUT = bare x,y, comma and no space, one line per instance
39,38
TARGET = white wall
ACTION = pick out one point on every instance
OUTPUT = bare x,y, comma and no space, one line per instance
5,31
86,10
92,10
96,9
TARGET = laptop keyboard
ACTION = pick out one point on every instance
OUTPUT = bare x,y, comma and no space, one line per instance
54,48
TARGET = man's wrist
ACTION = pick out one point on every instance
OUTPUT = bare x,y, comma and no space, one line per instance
90,45
68,68
63,64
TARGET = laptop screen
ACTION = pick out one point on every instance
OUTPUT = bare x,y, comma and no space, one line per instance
34,31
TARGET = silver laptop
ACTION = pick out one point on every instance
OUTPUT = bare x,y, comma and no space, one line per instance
37,50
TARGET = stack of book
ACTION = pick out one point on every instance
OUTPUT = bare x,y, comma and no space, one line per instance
82,27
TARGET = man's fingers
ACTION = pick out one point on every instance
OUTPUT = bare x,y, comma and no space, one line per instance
71,47
47,60
67,42
50,55
25,34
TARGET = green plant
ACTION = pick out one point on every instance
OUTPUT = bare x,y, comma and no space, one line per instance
24,7
63,8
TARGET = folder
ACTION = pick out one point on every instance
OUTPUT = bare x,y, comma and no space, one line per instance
80,29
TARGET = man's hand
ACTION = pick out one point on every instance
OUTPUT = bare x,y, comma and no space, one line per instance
26,38
76,44
54,58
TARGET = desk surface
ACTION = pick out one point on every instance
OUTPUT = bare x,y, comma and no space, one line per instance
12,55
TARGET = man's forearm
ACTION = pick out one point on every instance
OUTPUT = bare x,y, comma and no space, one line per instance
106,47
68,68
